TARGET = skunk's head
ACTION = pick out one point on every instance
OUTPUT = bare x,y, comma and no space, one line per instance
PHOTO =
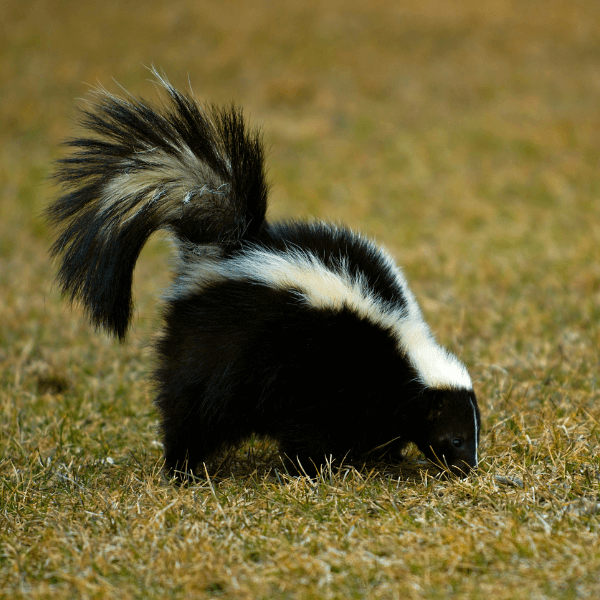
450,436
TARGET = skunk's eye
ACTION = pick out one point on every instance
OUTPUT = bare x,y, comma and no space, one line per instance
457,443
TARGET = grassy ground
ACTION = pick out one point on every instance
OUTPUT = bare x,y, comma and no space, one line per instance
464,136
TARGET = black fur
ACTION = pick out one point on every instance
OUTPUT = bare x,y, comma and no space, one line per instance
291,330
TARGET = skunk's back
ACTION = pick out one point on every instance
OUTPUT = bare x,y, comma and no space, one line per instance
330,269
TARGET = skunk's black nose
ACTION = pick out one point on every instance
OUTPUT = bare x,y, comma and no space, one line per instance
463,470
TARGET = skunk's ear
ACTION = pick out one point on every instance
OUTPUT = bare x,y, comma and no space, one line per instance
435,403
451,406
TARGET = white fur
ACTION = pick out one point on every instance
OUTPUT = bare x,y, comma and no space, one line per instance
476,431
166,180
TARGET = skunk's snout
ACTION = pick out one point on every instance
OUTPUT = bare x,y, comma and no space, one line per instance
462,464
463,469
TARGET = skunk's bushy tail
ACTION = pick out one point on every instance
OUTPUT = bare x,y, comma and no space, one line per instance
195,171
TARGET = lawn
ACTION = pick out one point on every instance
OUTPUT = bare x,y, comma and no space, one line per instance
465,138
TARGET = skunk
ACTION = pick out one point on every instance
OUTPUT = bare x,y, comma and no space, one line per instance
305,332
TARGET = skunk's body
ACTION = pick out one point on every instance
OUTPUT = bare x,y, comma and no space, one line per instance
304,332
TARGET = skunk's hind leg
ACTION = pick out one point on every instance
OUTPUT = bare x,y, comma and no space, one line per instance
187,435
183,444
193,437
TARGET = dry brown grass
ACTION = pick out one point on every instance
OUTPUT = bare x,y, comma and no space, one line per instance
465,136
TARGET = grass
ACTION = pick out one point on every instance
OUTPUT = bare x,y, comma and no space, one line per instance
463,136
